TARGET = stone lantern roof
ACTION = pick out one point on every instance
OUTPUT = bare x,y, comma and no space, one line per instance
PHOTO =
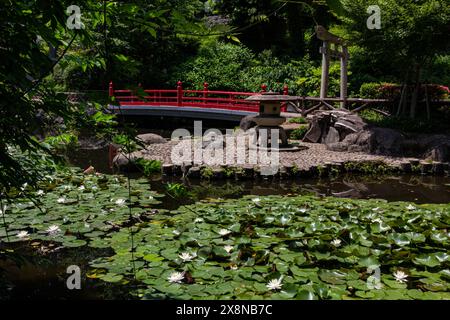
271,97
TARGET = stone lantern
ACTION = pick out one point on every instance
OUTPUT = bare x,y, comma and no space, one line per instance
269,117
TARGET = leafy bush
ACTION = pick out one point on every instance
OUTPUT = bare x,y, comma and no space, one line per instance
405,124
299,120
62,142
149,167
125,142
393,91
299,133
176,190
234,67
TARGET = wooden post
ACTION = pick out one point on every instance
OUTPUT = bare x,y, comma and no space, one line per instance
344,75
180,93
325,69
111,89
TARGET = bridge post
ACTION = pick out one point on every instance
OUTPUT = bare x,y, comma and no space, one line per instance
180,93
111,89
205,91
263,88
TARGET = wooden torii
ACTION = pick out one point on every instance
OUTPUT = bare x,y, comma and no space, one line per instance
332,47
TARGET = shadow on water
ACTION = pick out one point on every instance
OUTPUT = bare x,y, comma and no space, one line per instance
414,188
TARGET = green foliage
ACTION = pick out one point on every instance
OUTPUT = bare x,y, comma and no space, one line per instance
369,167
149,167
176,190
125,142
300,120
321,247
299,133
206,173
63,141
227,66
406,124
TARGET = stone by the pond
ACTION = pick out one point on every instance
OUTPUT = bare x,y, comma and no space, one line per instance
151,138
247,122
345,131
194,173
125,162
332,136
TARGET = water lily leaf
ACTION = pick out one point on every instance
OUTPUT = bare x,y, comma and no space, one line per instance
393,283
74,243
399,239
431,260
369,262
306,295
112,277
332,276
379,227
153,258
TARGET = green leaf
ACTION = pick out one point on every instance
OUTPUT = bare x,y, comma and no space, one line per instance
336,7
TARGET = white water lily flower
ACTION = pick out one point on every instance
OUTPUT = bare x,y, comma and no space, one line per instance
120,202
411,207
198,220
40,192
336,243
176,277
22,235
302,210
228,249
54,229
81,188
61,200
3,209
224,232
256,200
275,284
176,232
400,276
376,209
284,220
186,256
234,267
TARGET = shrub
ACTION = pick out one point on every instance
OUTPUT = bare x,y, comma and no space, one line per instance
299,120
299,133
234,67
176,190
149,167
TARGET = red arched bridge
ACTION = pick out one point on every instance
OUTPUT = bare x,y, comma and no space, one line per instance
199,104
218,105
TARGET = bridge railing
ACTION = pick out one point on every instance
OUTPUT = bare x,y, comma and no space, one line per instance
187,98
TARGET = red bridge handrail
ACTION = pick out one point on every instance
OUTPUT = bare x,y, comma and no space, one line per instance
179,97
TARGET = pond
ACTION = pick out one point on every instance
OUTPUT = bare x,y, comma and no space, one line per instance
97,238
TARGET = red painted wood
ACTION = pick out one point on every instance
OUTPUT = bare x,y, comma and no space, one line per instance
206,98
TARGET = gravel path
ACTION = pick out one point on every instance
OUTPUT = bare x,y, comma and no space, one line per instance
312,154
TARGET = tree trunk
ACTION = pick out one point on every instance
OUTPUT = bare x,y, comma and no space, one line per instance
415,94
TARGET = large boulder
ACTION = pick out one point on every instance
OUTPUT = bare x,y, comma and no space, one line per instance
343,123
345,131
373,140
151,138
